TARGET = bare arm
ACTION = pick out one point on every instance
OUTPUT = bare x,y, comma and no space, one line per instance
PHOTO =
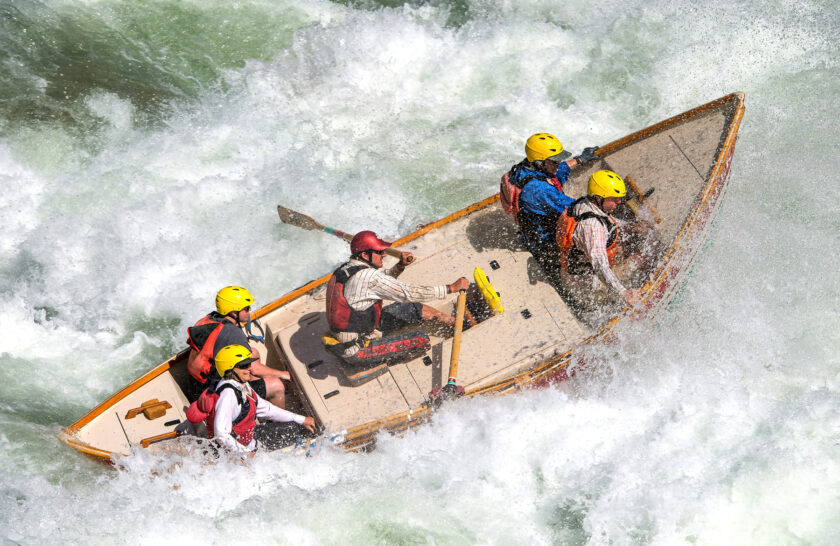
267,410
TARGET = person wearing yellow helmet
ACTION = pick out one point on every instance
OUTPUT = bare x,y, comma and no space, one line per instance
232,419
532,191
588,236
226,326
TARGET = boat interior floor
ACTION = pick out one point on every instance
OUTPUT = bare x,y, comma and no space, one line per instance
535,316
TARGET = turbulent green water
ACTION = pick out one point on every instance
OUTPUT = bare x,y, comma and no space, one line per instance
144,145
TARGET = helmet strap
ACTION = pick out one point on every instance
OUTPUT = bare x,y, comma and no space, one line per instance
359,257
261,337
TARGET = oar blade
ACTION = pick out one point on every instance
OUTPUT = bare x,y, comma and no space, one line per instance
297,219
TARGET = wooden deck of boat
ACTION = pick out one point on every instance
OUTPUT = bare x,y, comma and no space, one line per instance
487,350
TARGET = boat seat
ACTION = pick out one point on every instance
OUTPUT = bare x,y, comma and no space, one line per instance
334,397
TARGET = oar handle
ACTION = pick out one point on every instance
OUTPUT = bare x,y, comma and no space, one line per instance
456,338
396,253
640,197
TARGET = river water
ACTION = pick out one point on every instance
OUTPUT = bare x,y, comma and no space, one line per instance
145,144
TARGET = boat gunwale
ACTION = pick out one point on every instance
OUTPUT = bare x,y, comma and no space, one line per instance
555,369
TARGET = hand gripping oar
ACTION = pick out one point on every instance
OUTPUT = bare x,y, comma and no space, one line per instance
298,219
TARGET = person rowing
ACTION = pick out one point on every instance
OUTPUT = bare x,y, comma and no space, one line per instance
364,331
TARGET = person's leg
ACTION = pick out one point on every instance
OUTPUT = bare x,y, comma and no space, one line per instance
399,315
430,313
270,389
275,390
549,260
194,389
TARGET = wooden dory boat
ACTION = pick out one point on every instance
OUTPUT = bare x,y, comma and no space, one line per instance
685,158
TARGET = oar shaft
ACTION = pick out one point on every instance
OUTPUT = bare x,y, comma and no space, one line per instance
641,199
456,338
338,233
298,219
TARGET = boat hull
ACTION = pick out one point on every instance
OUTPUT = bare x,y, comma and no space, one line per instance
685,158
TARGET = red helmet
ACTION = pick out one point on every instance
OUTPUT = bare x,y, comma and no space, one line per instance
366,240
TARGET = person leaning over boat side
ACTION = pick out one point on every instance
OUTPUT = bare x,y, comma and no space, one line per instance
238,406
588,236
532,191
361,325
224,327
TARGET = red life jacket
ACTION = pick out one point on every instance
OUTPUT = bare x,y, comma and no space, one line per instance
204,409
202,338
511,186
340,315
573,259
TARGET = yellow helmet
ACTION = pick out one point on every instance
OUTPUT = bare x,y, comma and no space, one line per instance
232,356
542,146
606,184
233,298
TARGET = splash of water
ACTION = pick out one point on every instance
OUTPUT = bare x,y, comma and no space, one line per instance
143,148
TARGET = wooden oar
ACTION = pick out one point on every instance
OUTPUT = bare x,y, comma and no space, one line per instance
298,219
146,442
640,197
451,389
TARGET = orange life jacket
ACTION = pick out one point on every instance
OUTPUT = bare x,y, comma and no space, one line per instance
201,338
573,259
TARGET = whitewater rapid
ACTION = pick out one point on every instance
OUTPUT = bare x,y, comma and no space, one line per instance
144,147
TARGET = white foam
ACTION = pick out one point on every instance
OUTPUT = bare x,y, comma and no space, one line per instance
718,425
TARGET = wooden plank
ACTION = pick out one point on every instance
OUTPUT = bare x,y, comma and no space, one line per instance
112,432
408,386
301,344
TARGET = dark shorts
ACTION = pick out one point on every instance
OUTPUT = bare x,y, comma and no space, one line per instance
398,315
259,387
194,389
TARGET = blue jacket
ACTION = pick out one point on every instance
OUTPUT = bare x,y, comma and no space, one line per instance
540,204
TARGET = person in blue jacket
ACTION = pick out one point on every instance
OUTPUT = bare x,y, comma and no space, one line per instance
540,178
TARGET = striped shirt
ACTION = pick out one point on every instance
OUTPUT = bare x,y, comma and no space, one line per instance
370,285
590,237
